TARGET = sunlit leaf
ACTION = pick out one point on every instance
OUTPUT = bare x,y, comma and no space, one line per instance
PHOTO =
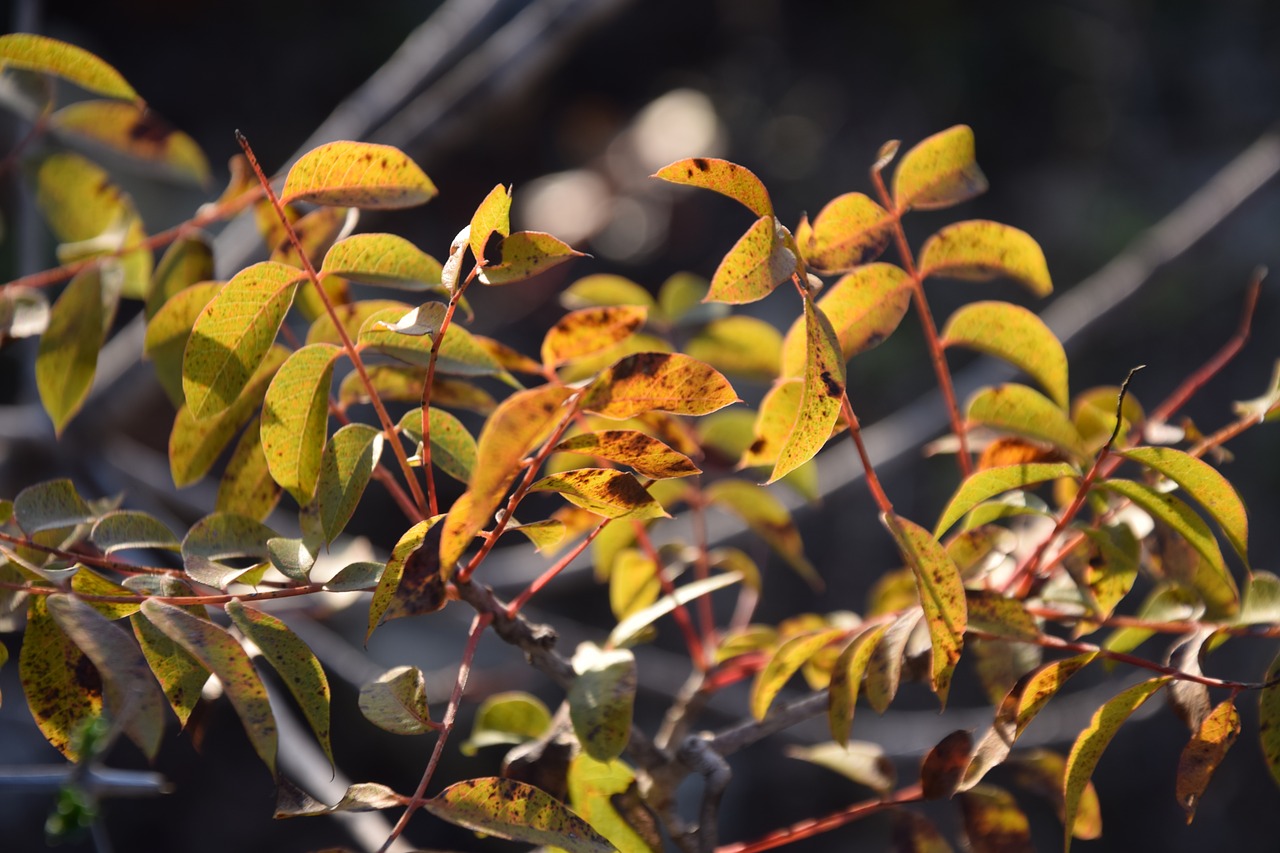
187,261
939,171
223,536
122,529
233,334
730,179
846,680
1204,752
604,491
760,261
453,449
396,701
87,582
506,718
1261,603
627,630
518,812
648,456
168,333
633,582
1094,413
526,254
598,790
667,382
411,583
316,232
353,317
181,676
1016,335
357,174
49,506
1166,603
1024,411
740,345
136,132
361,797
68,356
820,397
295,416
990,482
601,699
345,468
993,823
219,653
864,307
884,671
768,519
851,230
589,330
493,216
71,63
386,260
246,486
783,664
459,353
943,765
61,683
863,762
24,312
980,250
994,613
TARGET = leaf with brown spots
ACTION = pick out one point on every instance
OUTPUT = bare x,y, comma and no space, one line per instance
993,823
387,260
411,583
647,455
357,174
1016,335
1204,752
980,250
939,172
603,491
136,132
665,382
73,64
517,812
944,764
864,307
820,398
763,258
62,686
1268,719
493,216
601,699
181,676
588,331
360,797
851,230
525,254
737,182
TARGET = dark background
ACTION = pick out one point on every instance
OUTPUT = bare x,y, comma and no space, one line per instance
1093,120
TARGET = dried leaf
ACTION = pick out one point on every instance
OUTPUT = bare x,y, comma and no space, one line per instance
1204,752
943,766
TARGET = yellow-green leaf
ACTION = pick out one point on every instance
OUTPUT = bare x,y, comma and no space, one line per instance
588,331
861,761
136,132
603,491
50,505
411,583
386,260
846,680
123,529
633,582
357,174
1204,752
453,449
941,595
772,428
170,329
506,718
1261,600
221,536
396,701
864,307
647,455
1091,743
939,172
68,355
218,652
233,334
86,582
851,230
246,486
597,790
1094,413
820,398
525,254
980,250
737,182
1025,411
768,519
627,630
73,64
665,382
602,290
187,261
346,465
61,683
990,482
746,346
515,811
181,676
295,417
294,661
682,301
602,698
403,336
760,261
493,216
783,664
1016,335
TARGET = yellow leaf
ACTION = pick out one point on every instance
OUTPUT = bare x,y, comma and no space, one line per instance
864,308
493,216
939,172
783,664
820,397
762,259
387,260
647,455
737,182
846,679
851,230
1022,410
603,491
981,250
588,331
1016,335
136,132
768,519
740,345
990,482
525,254
68,355
357,174
295,417
667,382
71,63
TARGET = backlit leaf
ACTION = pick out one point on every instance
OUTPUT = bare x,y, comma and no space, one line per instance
295,418
49,506
187,261
493,216
884,671
993,823
589,330
1261,600
460,354
506,718
597,790
526,254
682,301
939,172
604,491
846,680
546,535
861,761
357,174
411,583
1094,413
746,346
136,132
770,432
820,397
994,613
62,685
71,63
1204,752
223,536
648,456
233,334
1022,410
68,355
602,290
666,382
627,630
168,333
353,317
783,664
361,797
757,263
1091,743
990,482
864,307
730,179
246,486
943,765
601,699
941,595
980,250
633,582
294,661
386,260
345,468
122,529
181,676
849,231
396,701
87,582
768,519
517,812
1016,335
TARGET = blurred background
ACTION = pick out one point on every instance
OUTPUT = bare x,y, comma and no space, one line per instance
1094,120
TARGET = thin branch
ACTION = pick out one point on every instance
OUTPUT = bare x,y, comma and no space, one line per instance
810,828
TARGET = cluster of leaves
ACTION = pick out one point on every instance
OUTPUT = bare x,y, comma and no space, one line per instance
1040,545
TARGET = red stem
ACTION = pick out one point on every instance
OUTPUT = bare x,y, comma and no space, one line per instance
810,828
437,340
697,652
546,577
873,481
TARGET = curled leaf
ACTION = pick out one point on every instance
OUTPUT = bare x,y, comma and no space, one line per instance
396,701
730,179
939,172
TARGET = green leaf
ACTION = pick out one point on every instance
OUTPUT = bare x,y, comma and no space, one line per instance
386,260
61,683
864,307
1016,335
629,629
602,290
49,506
993,823
588,331
396,701
604,491
73,64
980,250
414,563
861,761
1091,743
768,519
761,260
517,812
233,334
884,672
493,216
647,455
169,330
1022,410
851,230
989,482
820,398
1204,752
526,254
246,486
1206,485
358,576
460,354
453,449
357,174
222,536
181,676
187,261
345,468
846,679
295,418
665,382
941,596
729,179
136,132
601,699
783,664
507,718
746,346
598,790
939,172
68,355
122,529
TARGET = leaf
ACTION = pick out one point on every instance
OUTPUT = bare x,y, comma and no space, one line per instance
729,179
783,664
246,486
820,398
1022,410
884,671
412,582
1094,414
939,172
62,685
1268,715
846,679
602,290
453,450
361,797
221,536
526,254
598,790
1204,752
295,418
768,519
521,422
993,823
760,261
627,630
506,718
546,535
170,329
345,468
981,250
386,260
851,230
357,174
941,596
1206,485
137,132
68,355
181,676
358,576
493,216
194,445
24,312
517,812
915,833
1091,743
1016,335
588,331
602,698
124,529
1042,772
291,557
396,701
1261,603
603,491
218,652
49,506
73,64
746,346
682,301
994,613
460,354
187,261
989,482
634,583
864,762
648,456
943,766
233,334
864,307
665,382
86,582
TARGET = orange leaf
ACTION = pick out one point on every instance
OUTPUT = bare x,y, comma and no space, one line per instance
667,382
